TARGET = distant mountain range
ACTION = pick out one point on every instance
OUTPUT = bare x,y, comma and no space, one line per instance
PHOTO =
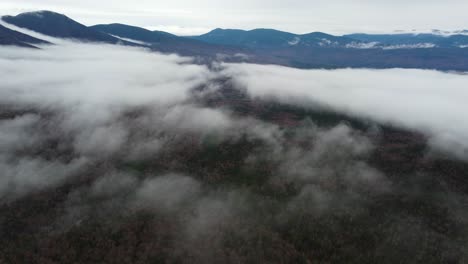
434,50
414,40
270,38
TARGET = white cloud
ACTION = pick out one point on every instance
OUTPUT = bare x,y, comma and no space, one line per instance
33,33
167,192
95,74
87,112
132,40
76,94
428,101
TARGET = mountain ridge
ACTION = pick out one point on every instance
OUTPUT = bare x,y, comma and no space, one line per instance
263,45
266,38
57,25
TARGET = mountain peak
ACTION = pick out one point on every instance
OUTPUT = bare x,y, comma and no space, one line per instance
222,30
41,17
40,14
272,38
57,25
268,30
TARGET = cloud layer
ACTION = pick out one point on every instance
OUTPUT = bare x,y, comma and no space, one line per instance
115,141
431,102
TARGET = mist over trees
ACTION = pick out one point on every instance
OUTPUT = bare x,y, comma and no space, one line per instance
115,154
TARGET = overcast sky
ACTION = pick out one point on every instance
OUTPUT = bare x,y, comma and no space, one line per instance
299,16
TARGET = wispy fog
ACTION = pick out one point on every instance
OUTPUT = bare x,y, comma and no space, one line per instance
110,134
78,92
431,102
34,34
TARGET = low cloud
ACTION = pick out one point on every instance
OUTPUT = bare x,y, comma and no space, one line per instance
430,102
119,138
76,95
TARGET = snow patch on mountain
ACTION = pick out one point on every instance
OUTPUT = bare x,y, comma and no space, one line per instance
294,41
438,32
132,40
411,46
362,45
377,45
326,42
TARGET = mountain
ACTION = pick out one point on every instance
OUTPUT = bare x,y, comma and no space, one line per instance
11,37
58,25
270,38
169,43
441,51
321,50
414,40
253,38
135,33
332,58
273,39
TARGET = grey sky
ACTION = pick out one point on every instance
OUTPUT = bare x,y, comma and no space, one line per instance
299,16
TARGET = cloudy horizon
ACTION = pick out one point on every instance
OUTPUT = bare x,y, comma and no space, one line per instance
188,18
